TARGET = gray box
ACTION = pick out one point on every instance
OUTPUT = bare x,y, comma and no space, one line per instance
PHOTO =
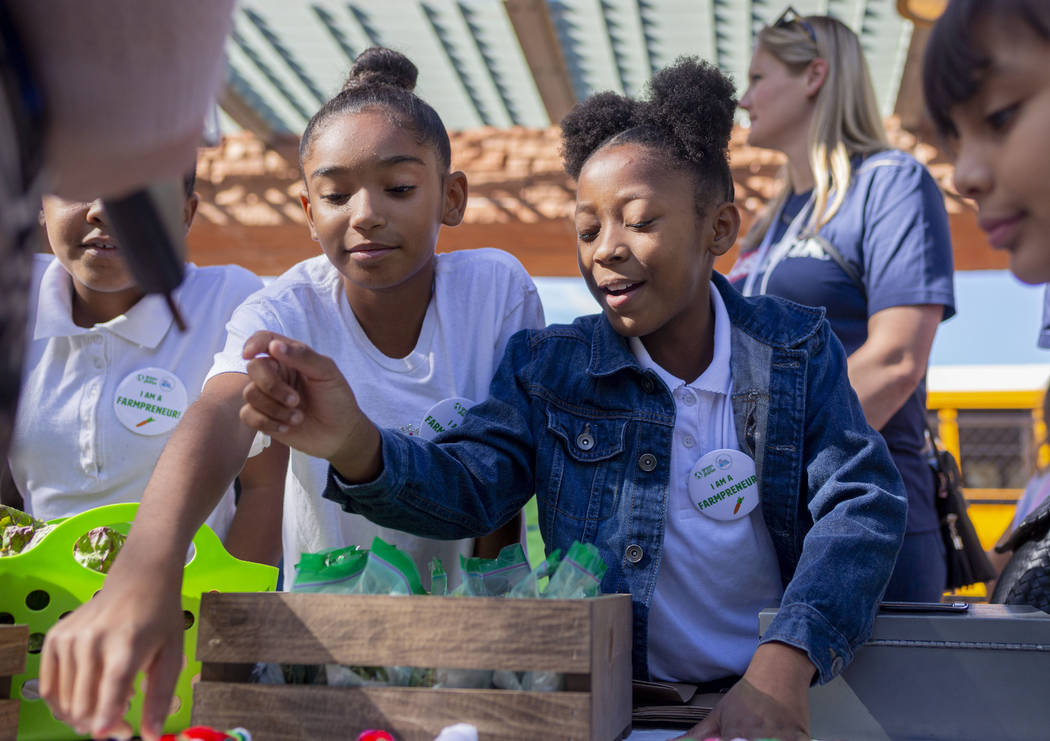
979,674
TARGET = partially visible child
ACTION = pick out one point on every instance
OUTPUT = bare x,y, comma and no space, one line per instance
988,93
413,329
708,444
108,375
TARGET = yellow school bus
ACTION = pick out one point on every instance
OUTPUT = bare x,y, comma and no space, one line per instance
998,437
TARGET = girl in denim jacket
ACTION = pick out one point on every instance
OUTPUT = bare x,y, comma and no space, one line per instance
708,444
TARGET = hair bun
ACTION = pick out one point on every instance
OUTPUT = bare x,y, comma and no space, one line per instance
381,66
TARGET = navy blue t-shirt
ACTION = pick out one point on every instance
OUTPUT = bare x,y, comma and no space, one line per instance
892,230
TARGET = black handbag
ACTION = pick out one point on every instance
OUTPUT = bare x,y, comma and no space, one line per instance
965,557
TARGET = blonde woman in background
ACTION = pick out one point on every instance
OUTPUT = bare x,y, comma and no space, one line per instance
861,230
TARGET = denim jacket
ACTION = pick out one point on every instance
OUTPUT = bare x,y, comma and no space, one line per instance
573,417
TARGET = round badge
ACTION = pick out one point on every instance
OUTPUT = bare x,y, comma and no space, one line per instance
150,401
723,484
445,415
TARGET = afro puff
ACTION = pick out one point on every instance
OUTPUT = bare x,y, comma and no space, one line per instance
687,113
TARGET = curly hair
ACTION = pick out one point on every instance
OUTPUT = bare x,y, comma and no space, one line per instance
383,78
687,115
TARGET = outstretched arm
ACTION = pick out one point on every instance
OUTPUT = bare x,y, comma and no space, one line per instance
134,624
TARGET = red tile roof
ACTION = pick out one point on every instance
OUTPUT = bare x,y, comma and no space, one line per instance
520,200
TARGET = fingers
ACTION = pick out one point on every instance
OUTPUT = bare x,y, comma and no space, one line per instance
258,343
71,666
267,378
265,413
161,678
292,354
115,689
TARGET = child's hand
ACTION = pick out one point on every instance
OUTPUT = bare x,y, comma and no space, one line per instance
771,701
90,658
300,398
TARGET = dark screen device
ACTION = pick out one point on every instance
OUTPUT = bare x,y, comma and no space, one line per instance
148,224
935,607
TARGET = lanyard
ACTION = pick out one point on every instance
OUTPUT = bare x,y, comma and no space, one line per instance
769,255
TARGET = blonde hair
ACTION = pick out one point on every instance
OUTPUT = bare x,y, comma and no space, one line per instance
846,120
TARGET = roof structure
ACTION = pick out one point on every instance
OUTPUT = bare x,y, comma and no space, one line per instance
520,200
505,63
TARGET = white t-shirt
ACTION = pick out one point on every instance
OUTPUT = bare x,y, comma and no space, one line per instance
481,297
88,430
714,575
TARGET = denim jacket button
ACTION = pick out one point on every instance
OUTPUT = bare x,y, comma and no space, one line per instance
585,441
634,553
647,462
648,385
836,666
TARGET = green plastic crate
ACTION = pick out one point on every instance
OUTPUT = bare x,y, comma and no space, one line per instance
47,576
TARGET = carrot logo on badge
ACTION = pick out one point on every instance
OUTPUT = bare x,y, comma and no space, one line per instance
739,501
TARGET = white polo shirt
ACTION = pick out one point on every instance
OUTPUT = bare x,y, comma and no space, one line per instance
71,451
714,575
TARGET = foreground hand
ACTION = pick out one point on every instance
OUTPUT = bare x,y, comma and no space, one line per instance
91,658
297,396
770,701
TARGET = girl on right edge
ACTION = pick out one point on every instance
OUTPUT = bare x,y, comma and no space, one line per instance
988,93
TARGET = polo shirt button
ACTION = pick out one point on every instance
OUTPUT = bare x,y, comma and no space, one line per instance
647,462
634,553
688,441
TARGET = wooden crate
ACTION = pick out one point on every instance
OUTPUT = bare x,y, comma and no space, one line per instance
13,644
588,640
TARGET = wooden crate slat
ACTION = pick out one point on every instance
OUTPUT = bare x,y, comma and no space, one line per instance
610,672
283,713
13,641
375,630
8,720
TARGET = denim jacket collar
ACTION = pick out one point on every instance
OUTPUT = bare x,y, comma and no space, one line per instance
611,353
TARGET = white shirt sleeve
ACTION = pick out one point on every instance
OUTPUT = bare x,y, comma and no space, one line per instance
250,317
524,309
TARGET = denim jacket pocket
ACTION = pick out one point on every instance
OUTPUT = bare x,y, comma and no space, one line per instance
585,471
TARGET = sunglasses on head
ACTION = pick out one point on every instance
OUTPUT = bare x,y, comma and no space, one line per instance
789,17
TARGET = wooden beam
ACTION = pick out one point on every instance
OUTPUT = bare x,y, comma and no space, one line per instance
538,38
911,105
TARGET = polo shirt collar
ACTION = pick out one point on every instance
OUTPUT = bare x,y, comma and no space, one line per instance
144,324
716,378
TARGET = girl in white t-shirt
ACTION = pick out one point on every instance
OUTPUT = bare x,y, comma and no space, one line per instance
107,375
419,329
418,332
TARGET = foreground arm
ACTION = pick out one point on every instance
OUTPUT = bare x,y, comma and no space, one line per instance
134,624
482,471
891,363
